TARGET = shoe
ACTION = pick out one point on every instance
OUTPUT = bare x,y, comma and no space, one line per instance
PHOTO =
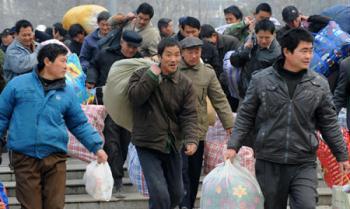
119,194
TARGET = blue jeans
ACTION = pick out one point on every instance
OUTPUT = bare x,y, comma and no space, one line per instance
163,177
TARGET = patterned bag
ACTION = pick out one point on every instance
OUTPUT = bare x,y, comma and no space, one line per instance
135,171
4,202
231,186
215,145
330,166
96,115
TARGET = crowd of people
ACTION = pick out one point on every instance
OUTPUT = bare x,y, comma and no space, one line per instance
280,102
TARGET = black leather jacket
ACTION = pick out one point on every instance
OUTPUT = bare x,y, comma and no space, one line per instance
285,128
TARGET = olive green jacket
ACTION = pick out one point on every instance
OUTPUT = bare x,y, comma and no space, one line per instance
206,84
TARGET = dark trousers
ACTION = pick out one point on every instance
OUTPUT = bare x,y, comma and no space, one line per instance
280,181
191,172
117,140
40,183
163,177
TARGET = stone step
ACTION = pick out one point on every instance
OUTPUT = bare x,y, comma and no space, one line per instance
73,187
132,201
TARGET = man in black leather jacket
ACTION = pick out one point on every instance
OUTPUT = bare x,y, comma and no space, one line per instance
285,104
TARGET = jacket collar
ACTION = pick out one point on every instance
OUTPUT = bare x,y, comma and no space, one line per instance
309,75
184,66
174,77
18,44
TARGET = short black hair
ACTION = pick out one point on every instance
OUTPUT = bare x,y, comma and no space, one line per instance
76,29
263,7
233,9
265,25
22,24
163,22
291,39
103,16
192,22
58,27
145,8
167,42
207,31
50,51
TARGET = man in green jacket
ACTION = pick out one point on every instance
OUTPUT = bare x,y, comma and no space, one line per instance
164,115
206,85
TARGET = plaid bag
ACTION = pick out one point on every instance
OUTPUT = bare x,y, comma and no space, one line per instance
215,145
135,171
96,115
330,166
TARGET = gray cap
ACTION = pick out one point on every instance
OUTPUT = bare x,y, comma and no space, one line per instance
190,42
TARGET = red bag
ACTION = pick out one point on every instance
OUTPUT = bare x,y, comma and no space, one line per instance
96,115
215,145
330,166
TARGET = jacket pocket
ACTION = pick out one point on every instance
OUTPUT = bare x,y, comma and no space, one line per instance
273,100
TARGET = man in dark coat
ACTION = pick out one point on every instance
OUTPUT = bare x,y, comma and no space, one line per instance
117,139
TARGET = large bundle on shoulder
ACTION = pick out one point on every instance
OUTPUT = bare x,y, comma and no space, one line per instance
115,96
85,15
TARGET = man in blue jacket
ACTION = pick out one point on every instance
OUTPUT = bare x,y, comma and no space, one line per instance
89,49
36,108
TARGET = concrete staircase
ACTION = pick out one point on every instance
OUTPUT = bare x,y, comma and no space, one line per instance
77,198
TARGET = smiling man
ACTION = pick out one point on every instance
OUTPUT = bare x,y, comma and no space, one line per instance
165,117
285,105
21,54
37,108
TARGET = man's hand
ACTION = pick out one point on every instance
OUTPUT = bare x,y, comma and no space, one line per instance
89,85
155,69
230,154
229,131
191,148
344,167
101,156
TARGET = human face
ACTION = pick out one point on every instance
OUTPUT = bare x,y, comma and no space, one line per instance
104,27
296,23
262,15
26,36
79,38
170,59
300,58
56,69
142,20
188,31
230,18
127,50
264,38
192,56
7,40
168,30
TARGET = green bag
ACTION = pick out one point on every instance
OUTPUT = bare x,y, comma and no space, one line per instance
115,92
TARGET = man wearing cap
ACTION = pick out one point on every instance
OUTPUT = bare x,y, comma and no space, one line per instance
6,39
166,27
117,138
292,18
141,23
206,85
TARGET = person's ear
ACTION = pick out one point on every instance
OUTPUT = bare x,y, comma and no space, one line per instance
47,61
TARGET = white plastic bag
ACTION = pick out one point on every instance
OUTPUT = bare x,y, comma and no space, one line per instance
99,181
231,185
